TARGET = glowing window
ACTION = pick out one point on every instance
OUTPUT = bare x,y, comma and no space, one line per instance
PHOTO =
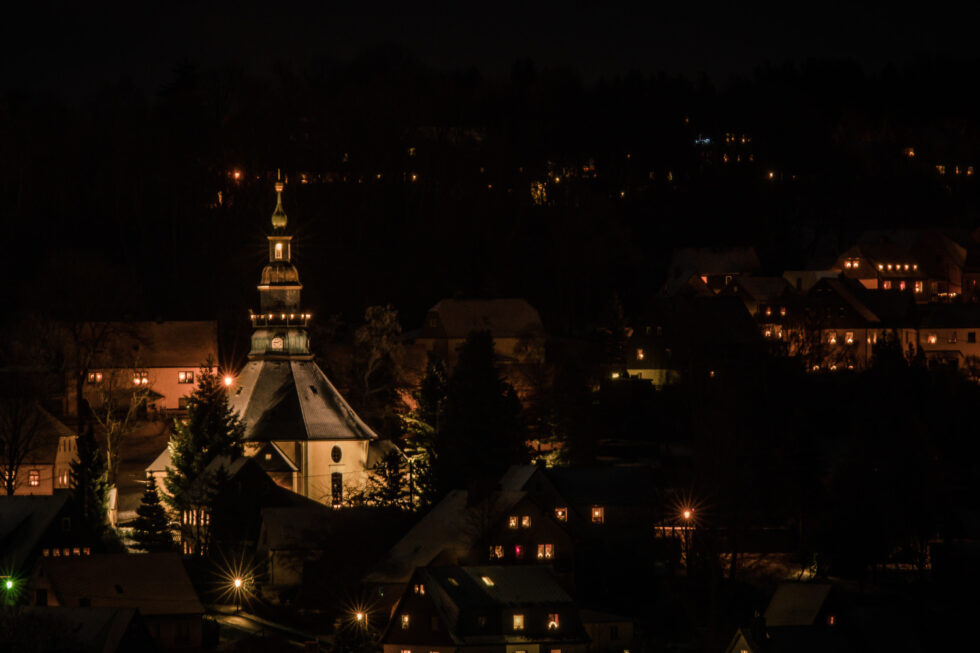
561,514
497,552
553,621
419,589
918,286
545,551
831,620
185,377
406,621
639,354
849,337
526,521
34,478
278,251
932,339
94,377
598,514
768,311
141,378
512,521
832,338
487,581
887,285
518,622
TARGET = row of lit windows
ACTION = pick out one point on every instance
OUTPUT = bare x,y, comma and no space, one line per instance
897,267
517,621
768,311
66,552
952,337
941,169
887,285
142,378
195,517
545,552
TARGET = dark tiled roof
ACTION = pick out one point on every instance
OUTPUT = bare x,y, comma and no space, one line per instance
293,400
503,318
154,583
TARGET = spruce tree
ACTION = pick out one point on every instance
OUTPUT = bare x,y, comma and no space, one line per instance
211,429
151,530
422,426
481,433
89,480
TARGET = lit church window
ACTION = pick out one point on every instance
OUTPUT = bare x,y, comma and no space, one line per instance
278,251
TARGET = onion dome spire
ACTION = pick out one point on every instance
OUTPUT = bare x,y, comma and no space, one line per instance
279,215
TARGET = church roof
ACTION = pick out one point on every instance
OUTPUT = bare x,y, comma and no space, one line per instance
294,400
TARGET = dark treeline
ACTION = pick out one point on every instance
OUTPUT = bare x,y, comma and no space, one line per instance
424,183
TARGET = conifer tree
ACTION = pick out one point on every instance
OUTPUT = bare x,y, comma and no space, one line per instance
481,433
212,429
89,480
151,530
421,428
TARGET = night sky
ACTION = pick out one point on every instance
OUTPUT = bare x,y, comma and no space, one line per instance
75,47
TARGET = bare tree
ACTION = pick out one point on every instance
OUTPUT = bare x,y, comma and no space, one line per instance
121,397
20,425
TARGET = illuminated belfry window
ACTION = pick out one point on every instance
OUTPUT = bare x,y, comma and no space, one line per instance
278,251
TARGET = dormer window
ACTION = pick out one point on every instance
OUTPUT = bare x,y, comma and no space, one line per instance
598,514
561,514
278,251
406,621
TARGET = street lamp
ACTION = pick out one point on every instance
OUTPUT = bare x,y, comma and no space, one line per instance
238,583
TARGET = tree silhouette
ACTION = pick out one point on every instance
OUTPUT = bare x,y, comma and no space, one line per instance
151,530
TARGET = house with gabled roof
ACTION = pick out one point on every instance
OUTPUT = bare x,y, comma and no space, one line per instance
163,358
484,608
504,526
156,584
42,526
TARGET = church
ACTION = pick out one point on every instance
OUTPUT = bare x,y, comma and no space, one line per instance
297,425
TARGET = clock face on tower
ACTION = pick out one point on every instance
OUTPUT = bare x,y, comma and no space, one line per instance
277,344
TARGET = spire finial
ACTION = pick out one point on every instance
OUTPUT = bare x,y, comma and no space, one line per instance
279,215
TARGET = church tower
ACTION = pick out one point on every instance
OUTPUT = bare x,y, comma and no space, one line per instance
279,329
298,427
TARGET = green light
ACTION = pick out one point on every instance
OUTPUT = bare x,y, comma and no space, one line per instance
9,584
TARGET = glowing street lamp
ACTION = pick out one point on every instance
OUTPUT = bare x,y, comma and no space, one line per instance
228,380
687,514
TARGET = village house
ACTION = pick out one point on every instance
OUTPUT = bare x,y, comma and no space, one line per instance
161,358
33,527
156,584
497,609
947,333
707,270
47,465
695,336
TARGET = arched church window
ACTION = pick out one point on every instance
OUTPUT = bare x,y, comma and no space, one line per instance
278,251
335,454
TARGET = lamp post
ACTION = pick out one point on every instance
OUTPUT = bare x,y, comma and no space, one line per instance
687,517
238,583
